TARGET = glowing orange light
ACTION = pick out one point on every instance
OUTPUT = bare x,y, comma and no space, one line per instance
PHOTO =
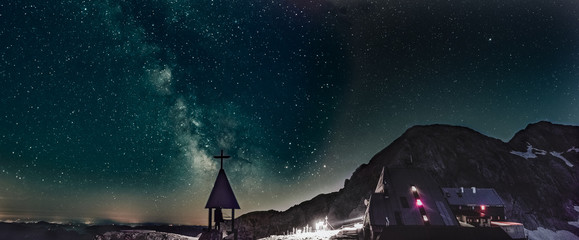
419,202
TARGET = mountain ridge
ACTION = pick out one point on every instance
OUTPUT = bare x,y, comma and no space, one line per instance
535,173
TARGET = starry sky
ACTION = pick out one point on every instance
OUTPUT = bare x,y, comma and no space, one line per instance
113,110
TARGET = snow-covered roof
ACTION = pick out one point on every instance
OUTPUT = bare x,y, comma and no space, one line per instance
470,197
222,195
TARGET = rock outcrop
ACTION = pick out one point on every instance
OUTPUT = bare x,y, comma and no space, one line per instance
142,235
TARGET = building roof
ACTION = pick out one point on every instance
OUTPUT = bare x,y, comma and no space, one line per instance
473,197
222,195
394,199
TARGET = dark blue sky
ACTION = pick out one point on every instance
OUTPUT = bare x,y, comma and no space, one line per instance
114,109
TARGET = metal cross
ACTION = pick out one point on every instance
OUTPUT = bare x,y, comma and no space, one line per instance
221,157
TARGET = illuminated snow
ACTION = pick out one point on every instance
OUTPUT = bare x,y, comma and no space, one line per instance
319,235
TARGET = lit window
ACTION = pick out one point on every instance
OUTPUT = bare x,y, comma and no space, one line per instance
425,218
419,202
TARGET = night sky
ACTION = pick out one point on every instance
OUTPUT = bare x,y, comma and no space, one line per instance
113,110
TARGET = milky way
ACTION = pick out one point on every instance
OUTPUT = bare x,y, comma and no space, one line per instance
113,110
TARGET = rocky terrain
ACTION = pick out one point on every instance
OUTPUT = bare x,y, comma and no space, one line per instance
142,235
535,173
53,231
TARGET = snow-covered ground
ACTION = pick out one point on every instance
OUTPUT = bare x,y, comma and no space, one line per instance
539,234
319,235
575,223
546,234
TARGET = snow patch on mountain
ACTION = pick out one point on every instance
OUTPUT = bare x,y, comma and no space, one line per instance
559,156
546,234
575,223
530,153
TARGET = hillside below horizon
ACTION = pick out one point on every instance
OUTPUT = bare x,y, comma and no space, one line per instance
535,173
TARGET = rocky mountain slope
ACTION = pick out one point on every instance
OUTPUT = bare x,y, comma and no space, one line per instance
536,173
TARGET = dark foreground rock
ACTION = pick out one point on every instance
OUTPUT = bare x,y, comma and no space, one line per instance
142,235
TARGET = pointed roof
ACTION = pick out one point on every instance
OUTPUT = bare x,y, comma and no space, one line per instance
222,195
381,182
